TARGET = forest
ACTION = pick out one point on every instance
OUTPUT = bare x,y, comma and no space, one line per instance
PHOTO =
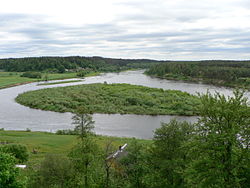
216,72
16,71
214,152
72,63
224,73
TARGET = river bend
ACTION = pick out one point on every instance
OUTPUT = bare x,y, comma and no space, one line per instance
14,116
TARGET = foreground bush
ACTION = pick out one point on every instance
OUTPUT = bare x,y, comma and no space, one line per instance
9,175
54,171
20,152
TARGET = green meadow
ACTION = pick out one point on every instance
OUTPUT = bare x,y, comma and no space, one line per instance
9,79
50,143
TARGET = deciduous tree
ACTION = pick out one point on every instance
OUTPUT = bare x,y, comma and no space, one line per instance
9,175
221,149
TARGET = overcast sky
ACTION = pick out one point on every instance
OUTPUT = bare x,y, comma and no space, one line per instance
154,29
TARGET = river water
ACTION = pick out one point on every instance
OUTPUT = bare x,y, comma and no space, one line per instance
14,116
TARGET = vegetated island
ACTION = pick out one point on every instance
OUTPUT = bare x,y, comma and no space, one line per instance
112,99
234,74
60,82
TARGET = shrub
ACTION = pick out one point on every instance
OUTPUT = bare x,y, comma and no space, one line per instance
54,171
20,152
66,132
9,175
32,75
82,73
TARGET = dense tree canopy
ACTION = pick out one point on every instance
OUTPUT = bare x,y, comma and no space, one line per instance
228,73
61,64
220,151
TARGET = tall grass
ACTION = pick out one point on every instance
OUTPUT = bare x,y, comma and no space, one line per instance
112,98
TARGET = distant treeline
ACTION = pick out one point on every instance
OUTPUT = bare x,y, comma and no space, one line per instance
62,64
228,73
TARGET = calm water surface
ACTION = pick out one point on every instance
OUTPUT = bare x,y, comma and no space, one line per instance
14,116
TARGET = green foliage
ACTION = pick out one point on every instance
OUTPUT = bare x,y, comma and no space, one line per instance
169,155
85,157
61,69
112,98
7,80
66,132
9,175
226,73
83,73
62,64
14,79
45,76
211,153
220,151
50,143
135,165
85,154
54,171
83,122
20,152
32,75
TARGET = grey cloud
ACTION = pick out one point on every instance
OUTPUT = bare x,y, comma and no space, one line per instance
145,36
110,38
6,18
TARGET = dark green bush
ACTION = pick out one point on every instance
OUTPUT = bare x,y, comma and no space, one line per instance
20,152
66,132
82,73
54,171
9,175
32,75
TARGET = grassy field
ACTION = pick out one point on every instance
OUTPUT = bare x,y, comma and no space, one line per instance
9,79
111,99
50,143
61,76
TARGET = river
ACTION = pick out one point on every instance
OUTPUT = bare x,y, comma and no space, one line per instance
14,116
